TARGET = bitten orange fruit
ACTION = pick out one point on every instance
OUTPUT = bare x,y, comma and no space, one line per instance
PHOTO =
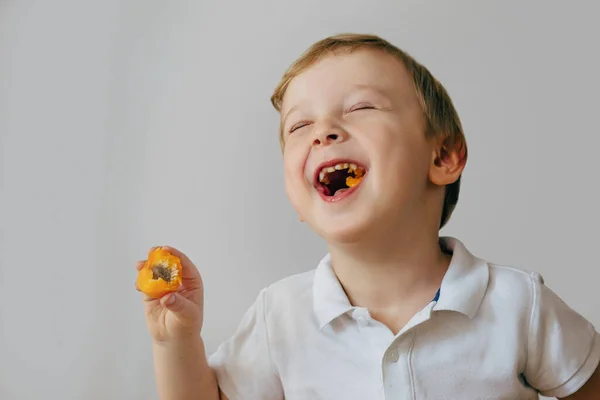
161,274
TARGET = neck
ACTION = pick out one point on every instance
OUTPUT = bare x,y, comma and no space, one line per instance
395,266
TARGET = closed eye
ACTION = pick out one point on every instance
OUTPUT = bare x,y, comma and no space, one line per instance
298,126
361,106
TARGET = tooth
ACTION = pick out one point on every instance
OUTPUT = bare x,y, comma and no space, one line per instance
321,176
339,167
330,169
346,165
353,166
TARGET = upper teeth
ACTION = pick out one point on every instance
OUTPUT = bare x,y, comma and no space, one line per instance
333,168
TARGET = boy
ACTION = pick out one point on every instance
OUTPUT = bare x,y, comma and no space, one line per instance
373,151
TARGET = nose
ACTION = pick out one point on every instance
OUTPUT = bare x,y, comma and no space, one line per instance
329,134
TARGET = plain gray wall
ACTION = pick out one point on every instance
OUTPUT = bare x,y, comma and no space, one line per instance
126,124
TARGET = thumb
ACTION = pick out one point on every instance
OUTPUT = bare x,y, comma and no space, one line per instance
178,304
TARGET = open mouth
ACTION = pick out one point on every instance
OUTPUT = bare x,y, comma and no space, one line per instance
334,180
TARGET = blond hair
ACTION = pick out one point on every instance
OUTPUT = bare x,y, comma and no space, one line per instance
443,123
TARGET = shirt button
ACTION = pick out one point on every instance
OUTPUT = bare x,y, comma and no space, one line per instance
362,321
393,356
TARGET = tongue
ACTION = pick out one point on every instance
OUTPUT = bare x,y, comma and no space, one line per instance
340,191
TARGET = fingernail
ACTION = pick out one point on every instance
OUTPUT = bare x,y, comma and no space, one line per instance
170,300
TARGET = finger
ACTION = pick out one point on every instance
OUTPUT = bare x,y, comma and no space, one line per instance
184,259
140,264
182,307
189,269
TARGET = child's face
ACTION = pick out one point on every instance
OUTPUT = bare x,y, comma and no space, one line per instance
355,108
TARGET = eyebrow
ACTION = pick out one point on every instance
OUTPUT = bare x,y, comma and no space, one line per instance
287,115
370,88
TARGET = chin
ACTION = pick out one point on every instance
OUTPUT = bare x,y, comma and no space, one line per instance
344,230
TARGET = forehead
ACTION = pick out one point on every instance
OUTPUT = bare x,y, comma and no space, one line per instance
343,71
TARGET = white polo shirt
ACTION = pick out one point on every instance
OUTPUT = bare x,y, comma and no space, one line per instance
495,332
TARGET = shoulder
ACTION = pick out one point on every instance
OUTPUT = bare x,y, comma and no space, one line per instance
477,280
289,293
293,284
514,289
515,280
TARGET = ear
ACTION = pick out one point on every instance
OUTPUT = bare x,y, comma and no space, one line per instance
448,161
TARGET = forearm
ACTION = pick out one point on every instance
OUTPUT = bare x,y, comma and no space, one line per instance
182,372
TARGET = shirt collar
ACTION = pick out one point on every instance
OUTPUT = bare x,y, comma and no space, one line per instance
329,299
462,290
466,281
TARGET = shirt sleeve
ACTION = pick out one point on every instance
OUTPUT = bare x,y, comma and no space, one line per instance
563,347
242,364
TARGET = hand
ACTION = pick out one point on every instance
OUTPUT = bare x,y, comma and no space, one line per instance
177,315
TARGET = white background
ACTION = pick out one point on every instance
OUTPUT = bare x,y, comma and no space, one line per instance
127,124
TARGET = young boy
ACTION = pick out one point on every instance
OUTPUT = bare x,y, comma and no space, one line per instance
373,151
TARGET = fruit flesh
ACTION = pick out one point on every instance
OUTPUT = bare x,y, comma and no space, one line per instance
355,178
161,274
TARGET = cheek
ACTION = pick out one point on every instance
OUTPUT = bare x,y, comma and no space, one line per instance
293,163
293,171
402,161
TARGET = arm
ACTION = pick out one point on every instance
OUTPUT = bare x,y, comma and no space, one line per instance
175,322
589,391
241,365
182,372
